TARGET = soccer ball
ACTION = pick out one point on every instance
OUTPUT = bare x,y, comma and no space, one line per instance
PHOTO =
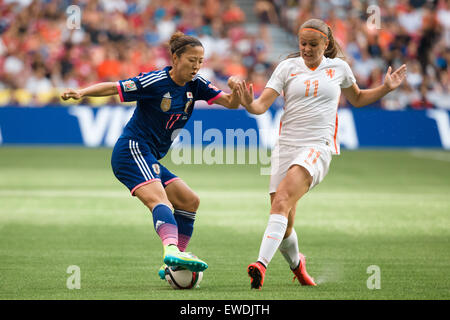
181,278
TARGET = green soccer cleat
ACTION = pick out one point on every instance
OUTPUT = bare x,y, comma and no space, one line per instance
174,257
161,272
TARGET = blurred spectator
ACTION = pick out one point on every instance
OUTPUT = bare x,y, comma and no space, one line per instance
409,18
38,82
414,76
234,66
232,14
166,27
121,38
421,101
13,66
440,94
258,79
428,37
400,98
109,68
363,68
211,10
266,14
443,16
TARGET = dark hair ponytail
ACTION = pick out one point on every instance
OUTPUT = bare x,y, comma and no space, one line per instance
179,41
333,50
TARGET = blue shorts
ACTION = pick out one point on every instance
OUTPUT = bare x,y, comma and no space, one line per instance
134,165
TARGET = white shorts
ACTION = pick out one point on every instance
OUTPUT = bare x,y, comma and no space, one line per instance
314,159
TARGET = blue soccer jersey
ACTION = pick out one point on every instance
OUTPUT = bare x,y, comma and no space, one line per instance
162,106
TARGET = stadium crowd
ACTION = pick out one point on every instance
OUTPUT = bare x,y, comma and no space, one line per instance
46,46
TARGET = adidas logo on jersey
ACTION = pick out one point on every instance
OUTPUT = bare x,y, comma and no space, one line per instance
167,95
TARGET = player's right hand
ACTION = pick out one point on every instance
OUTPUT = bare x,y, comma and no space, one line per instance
70,93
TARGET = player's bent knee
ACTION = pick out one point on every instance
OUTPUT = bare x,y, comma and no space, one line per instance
195,202
190,204
281,204
280,208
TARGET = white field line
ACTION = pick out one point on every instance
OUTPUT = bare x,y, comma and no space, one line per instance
429,155
79,193
49,193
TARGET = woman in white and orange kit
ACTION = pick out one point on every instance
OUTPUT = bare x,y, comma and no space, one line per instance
311,82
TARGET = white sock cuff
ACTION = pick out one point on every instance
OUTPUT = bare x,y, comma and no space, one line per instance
278,218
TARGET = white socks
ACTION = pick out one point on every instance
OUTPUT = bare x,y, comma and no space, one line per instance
289,250
273,236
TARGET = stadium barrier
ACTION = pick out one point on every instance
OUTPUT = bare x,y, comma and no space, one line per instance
101,126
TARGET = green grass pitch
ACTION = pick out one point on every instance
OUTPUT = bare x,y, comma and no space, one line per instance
63,206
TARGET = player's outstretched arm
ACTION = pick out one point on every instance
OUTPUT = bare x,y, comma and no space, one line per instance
261,104
361,98
230,101
101,89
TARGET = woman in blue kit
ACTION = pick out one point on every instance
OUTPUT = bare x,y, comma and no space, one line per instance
165,101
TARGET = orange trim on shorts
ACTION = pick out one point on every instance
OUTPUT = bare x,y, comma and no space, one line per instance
317,157
309,156
335,133
311,152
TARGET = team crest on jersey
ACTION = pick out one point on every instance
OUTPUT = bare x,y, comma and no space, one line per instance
129,85
330,73
156,168
190,98
166,102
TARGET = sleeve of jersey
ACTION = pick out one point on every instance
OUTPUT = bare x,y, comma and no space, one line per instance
277,80
129,90
207,91
348,78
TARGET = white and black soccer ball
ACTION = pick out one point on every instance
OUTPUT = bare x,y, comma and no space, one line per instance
181,278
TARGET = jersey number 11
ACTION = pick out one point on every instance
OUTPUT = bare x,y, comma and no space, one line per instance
308,84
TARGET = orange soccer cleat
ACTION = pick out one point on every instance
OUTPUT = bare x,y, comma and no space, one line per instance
300,273
256,271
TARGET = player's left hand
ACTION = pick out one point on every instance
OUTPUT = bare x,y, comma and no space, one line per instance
246,94
393,80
